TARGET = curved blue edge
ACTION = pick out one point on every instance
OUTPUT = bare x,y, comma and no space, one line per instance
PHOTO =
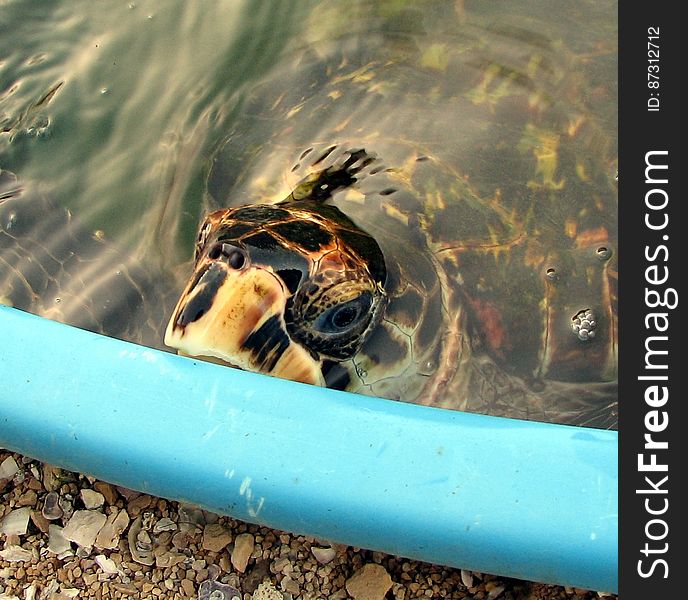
515,498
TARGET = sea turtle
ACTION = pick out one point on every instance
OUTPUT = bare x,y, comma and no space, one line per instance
446,233
427,218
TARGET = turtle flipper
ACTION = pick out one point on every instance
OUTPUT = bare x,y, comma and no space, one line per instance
344,171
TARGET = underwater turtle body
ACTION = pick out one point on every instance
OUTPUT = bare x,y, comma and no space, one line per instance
424,218
436,228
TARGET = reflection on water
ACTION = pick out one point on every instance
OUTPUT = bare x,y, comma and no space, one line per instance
125,124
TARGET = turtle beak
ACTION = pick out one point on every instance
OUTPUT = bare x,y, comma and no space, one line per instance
237,317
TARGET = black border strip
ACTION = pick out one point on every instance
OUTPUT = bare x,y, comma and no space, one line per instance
651,120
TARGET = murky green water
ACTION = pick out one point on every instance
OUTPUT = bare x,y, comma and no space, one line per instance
138,117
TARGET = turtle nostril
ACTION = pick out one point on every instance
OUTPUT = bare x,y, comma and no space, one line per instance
215,252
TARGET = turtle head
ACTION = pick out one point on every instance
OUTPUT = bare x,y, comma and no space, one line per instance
281,290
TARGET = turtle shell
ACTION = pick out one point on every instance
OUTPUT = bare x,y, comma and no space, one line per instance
491,192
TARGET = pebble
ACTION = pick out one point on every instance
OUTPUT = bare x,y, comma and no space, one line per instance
109,534
16,522
57,543
28,498
40,521
370,582
8,468
16,554
467,578
323,555
216,537
243,548
136,506
109,492
169,559
188,588
83,527
164,524
107,565
92,499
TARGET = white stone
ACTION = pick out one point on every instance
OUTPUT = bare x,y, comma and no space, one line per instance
8,468
30,592
107,565
16,554
16,522
92,499
83,527
323,555
57,543
109,535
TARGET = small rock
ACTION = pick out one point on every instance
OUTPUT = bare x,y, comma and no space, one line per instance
92,499
279,566
83,527
128,589
126,493
243,547
164,524
188,587
51,506
12,539
109,492
8,468
40,521
51,478
191,514
290,586
214,572
323,555
57,543
107,565
180,540
16,522
267,591
214,590
136,506
67,508
216,537
30,592
16,554
169,559
467,578
370,582
28,498
109,534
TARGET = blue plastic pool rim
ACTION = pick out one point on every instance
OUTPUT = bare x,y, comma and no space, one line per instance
515,498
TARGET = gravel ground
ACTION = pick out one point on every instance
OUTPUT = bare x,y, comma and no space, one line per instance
66,535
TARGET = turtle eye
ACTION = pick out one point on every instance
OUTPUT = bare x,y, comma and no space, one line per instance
339,319
234,256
